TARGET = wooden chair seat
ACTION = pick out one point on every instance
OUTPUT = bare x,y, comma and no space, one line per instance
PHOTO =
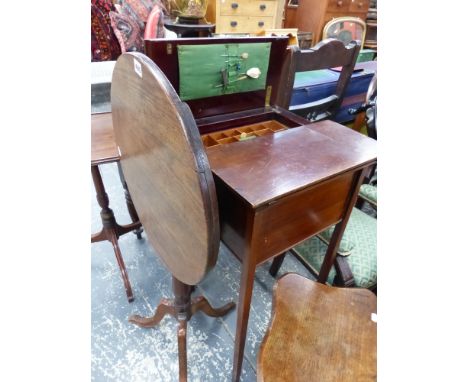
319,333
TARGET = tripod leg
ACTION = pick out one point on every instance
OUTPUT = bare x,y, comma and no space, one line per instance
164,307
201,303
128,199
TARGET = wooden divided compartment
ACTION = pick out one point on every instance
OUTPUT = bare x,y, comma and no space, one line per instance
242,133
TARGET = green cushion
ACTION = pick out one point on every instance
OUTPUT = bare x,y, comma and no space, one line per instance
369,193
346,244
200,68
366,55
362,229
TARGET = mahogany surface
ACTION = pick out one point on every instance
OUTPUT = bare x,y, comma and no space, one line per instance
268,167
103,146
319,333
166,168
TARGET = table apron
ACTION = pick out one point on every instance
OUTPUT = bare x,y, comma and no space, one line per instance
284,223
296,217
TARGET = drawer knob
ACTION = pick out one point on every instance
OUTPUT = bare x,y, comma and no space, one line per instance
262,7
233,24
360,5
234,5
340,3
261,23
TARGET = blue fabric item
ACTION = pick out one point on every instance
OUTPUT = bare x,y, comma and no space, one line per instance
318,84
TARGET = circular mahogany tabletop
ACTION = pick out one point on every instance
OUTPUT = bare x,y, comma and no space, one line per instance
166,168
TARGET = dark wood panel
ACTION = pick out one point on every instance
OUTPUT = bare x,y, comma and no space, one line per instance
301,215
325,56
234,216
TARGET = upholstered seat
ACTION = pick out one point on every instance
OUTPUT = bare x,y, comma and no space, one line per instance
369,193
361,233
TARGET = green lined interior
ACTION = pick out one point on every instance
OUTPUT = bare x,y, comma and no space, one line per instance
201,66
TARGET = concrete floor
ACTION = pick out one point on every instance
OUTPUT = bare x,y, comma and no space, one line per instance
124,352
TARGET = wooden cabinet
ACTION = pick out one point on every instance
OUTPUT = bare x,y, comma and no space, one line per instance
246,16
312,15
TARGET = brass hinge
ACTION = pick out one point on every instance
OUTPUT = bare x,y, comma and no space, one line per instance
169,48
268,96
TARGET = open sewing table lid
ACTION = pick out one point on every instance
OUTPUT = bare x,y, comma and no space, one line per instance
202,67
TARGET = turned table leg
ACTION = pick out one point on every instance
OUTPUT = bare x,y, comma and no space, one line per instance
111,231
130,206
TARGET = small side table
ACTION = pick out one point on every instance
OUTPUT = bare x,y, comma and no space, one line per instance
104,150
200,29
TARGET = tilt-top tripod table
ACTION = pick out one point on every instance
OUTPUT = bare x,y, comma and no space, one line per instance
171,184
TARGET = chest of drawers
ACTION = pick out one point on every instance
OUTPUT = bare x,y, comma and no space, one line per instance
246,16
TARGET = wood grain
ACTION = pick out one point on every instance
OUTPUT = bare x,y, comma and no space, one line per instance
103,146
166,168
327,54
272,166
319,333
299,215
